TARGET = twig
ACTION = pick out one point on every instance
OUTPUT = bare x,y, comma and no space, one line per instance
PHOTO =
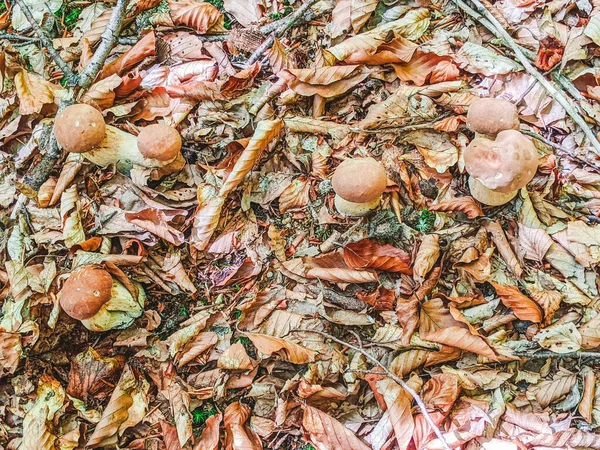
16,37
108,41
548,354
270,27
47,43
496,28
291,20
416,397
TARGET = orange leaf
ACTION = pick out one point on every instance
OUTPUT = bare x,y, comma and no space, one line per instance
238,83
462,338
326,433
201,16
328,81
444,71
419,68
466,205
289,351
398,403
196,90
523,307
33,92
369,254
278,58
295,196
155,221
209,440
429,252
143,48
332,267
238,436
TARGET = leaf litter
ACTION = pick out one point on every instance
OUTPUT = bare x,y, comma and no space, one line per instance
270,320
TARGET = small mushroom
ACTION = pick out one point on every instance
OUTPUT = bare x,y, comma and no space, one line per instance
489,116
499,168
358,184
81,129
100,301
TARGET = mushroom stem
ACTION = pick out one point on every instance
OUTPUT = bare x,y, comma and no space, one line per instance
351,209
120,148
488,196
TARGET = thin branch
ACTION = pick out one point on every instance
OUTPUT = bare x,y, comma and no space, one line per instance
16,37
416,397
543,354
107,43
291,20
567,103
47,43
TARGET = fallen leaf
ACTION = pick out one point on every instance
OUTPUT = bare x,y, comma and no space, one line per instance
289,351
235,358
33,91
523,307
586,406
328,81
560,338
238,436
155,221
209,440
426,257
246,12
466,205
201,16
325,433
367,254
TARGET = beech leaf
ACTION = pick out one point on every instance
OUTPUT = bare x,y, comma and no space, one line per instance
289,351
367,254
523,307
326,433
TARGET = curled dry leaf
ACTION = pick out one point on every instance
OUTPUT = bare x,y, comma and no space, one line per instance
326,433
239,436
427,256
295,196
294,353
278,57
467,205
398,403
586,406
523,307
238,83
155,221
201,16
328,81
209,440
10,352
206,221
534,243
367,254
33,91
143,48
102,93
91,373
550,391
330,267
235,358
198,90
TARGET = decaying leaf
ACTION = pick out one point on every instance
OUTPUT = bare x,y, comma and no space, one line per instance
33,92
328,81
238,435
368,254
429,252
288,350
523,307
201,16
325,433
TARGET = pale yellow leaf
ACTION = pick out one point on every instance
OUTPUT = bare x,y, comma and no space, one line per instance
33,91
427,256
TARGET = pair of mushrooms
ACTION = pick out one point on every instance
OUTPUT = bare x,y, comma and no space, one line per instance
101,301
80,128
500,161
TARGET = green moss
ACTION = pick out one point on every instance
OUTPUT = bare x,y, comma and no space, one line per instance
425,222
68,15
202,413
217,4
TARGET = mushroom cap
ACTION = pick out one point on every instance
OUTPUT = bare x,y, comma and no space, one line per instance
86,290
359,180
487,196
159,141
79,128
505,164
492,115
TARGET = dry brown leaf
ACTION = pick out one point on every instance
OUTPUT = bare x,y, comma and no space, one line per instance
246,12
361,11
550,391
235,358
94,34
462,338
169,435
238,83
570,438
444,71
326,433
209,440
586,406
206,221
266,131
155,221
398,403
196,347
328,81
201,16
406,362
278,58
196,90
10,352
590,333
367,254
116,416
294,353
534,242
295,196
33,91
144,48
332,267
91,373
179,406
439,395
102,93
238,436
523,307
530,421
427,256
467,205
419,68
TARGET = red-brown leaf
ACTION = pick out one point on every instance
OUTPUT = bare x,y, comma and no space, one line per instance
326,433
466,205
367,254
523,307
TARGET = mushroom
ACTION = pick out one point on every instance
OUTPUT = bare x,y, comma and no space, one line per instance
358,184
499,168
104,144
489,116
100,301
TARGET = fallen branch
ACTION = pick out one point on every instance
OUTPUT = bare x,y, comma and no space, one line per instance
16,37
416,397
47,43
543,354
291,20
108,40
492,24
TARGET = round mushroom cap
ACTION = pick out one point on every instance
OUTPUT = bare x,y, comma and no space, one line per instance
505,164
86,290
487,196
159,141
79,128
359,180
492,115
